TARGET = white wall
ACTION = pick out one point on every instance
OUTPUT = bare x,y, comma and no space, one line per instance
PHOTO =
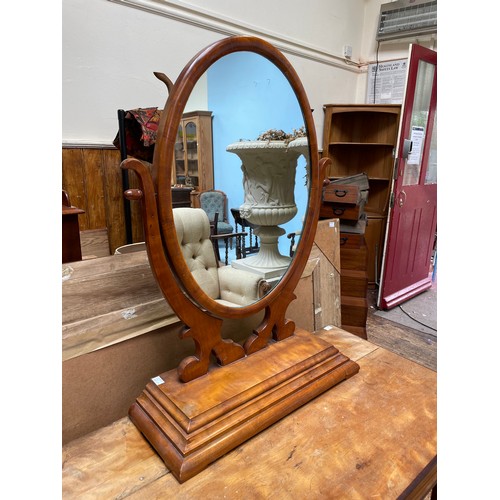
110,50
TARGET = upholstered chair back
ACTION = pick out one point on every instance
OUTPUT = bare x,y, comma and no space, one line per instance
225,284
216,201
193,234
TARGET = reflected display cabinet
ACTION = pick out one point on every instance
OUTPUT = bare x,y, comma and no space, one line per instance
193,158
363,139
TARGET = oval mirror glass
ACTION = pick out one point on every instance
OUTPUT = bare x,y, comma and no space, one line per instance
261,166
250,98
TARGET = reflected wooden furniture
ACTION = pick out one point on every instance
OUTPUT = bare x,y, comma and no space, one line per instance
371,436
71,247
228,239
193,157
181,196
214,203
253,244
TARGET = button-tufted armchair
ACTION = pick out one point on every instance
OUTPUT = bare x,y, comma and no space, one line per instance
233,287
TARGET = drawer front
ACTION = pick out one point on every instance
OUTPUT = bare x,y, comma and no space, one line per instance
354,310
354,258
351,240
341,193
353,283
340,211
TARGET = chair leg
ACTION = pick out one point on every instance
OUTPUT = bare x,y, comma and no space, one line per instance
226,257
216,249
240,249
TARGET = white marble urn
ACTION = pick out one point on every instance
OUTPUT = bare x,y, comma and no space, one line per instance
269,169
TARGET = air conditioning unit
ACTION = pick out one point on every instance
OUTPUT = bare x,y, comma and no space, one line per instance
407,18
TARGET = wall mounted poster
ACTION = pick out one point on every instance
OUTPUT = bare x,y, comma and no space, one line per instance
386,80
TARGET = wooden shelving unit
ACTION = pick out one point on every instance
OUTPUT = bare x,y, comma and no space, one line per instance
193,162
362,139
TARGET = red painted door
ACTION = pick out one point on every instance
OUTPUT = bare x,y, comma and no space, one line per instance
412,218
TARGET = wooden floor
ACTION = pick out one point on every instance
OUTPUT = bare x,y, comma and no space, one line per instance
407,342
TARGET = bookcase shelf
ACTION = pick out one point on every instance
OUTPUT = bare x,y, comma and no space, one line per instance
363,139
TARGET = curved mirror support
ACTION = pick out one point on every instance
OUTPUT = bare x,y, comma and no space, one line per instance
254,95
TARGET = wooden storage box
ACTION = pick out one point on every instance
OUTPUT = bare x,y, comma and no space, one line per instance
342,193
341,211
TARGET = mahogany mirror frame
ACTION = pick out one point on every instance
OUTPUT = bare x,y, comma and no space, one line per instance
162,169
194,415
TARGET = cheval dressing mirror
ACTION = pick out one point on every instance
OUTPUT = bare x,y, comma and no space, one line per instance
229,391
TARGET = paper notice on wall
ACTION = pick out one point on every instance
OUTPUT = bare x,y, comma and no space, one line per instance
417,140
386,81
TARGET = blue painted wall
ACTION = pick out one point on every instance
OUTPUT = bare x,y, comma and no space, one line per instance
248,95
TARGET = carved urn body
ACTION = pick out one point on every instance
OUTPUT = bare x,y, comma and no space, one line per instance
269,169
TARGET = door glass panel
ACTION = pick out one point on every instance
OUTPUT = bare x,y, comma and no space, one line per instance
418,123
431,175
192,154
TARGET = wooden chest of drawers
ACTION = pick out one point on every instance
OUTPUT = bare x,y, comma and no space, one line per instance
354,283
345,199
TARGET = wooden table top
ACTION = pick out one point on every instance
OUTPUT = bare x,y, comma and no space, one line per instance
373,435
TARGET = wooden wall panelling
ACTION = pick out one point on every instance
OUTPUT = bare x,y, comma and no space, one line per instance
113,194
93,179
73,182
94,188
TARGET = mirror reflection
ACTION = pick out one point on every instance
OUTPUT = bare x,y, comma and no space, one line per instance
242,150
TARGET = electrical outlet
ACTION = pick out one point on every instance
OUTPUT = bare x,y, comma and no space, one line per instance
347,51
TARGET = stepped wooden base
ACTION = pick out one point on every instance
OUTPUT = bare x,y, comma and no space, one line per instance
192,424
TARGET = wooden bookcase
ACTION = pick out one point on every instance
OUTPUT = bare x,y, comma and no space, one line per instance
362,138
193,161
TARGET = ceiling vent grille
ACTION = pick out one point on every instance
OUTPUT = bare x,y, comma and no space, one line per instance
407,18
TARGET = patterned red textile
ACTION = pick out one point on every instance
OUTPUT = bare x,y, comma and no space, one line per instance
148,119
141,126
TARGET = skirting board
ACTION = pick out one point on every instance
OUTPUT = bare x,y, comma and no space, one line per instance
192,424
